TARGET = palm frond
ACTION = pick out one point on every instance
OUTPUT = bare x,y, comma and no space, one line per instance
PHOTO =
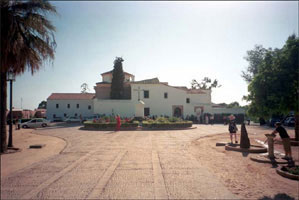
27,36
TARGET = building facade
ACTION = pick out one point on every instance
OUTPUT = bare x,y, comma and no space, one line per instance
154,97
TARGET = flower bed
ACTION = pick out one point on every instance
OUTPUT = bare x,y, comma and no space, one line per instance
166,123
109,125
289,172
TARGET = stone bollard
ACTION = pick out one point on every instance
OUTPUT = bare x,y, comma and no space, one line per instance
244,141
270,139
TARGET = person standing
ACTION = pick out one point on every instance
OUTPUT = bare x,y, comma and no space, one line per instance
17,123
285,140
81,119
212,119
232,127
118,123
207,119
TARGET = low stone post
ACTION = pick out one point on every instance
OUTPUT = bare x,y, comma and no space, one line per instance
270,139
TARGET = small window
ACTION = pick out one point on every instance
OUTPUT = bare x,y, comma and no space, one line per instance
64,114
146,94
76,114
146,111
165,95
68,105
188,100
39,120
77,105
57,105
33,121
89,107
54,116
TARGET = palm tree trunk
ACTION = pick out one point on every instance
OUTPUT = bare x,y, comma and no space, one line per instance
3,99
297,126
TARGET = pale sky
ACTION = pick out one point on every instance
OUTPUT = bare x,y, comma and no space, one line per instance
174,41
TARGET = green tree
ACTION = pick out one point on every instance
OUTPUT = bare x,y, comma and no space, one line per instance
254,58
273,90
234,104
84,88
27,39
205,84
42,105
118,77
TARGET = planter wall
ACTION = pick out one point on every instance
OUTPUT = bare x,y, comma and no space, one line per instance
109,126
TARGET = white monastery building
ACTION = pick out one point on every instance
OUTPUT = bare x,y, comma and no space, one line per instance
148,97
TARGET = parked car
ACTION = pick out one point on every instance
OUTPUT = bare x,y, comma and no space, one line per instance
36,122
57,119
273,120
88,119
73,119
290,121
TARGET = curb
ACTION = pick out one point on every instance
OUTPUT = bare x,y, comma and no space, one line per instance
266,159
287,175
257,149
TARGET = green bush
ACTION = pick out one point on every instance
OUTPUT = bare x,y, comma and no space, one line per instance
166,125
292,170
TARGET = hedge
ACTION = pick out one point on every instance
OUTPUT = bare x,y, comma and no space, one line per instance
132,126
109,125
166,125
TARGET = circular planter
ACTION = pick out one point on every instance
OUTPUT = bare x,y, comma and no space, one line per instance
294,142
266,159
287,174
252,149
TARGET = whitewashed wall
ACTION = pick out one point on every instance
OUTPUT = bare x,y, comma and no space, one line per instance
59,112
125,108
160,106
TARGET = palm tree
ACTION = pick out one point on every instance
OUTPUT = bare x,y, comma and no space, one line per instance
27,39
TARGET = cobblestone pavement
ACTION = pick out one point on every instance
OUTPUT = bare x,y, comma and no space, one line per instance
119,165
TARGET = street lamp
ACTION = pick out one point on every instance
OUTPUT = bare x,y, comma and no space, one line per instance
10,78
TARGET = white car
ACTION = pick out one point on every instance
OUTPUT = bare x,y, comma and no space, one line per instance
73,119
36,122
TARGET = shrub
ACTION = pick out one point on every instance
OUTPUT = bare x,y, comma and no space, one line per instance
166,125
175,119
292,170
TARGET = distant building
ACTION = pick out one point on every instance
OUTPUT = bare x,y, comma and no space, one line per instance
158,98
40,113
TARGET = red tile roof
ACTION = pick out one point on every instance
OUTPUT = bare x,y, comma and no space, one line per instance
71,96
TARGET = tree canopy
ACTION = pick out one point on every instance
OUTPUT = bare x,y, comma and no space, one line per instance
118,77
205,84
42,105
84,88
273,79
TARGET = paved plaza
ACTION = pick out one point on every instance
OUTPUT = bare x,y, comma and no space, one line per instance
114,165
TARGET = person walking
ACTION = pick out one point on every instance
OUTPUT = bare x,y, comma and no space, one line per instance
285,140
118,123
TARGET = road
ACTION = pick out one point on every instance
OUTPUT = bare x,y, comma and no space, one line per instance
119,165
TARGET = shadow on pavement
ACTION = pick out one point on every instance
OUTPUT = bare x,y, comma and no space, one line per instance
245,154
279,196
